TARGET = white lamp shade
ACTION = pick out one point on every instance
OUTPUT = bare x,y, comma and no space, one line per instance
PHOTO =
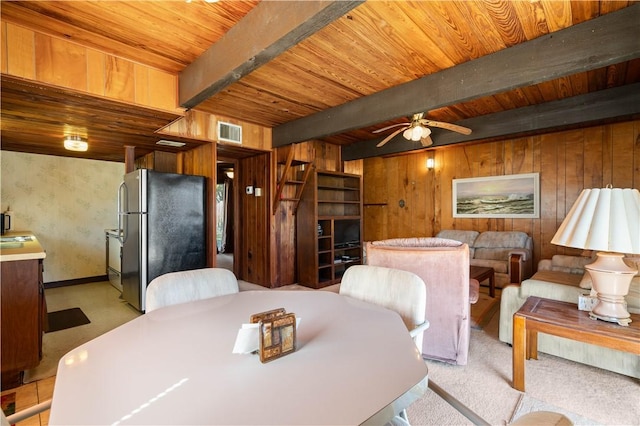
603,219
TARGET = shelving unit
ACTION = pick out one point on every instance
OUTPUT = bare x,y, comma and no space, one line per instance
329,228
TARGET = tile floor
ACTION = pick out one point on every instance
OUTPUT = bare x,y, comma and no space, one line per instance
32,394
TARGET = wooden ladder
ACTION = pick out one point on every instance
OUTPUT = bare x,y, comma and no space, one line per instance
284,180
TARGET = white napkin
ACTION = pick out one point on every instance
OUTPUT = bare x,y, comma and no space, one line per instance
248,339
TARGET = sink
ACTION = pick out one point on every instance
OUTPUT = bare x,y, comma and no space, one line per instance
16,239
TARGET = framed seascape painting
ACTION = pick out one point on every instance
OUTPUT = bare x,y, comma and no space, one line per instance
508,196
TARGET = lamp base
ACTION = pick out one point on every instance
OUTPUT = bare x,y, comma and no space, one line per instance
611,279
621,321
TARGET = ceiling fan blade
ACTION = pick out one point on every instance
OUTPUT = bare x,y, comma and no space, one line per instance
426,141
388,138
448,126
389,127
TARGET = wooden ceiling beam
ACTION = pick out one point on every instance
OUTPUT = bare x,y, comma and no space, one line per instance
606,40
264,33
591,107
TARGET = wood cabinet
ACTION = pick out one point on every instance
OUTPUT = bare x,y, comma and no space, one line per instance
159,161
328,228
23,318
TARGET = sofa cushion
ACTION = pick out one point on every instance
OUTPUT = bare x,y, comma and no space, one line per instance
499,266
556,277
570,264
585,282
418,242
491,239
501,254
633,262
468,237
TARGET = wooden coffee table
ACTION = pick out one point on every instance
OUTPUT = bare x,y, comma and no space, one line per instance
481,273
565,320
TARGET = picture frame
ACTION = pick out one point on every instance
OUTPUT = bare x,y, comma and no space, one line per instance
514,196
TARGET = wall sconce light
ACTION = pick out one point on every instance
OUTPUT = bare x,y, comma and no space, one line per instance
229,173
75,143
431,163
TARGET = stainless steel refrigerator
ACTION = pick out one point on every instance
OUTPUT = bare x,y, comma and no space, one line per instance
162,220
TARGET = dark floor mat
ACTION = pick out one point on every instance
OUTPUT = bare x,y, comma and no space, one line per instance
67,318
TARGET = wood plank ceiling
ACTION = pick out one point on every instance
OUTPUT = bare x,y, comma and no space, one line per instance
376,46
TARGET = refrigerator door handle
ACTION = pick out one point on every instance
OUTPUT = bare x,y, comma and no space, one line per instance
122,234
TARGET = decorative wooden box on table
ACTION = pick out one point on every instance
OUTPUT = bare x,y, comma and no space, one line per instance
329,228
23,305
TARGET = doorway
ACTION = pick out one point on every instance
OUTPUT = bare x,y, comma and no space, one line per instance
225,218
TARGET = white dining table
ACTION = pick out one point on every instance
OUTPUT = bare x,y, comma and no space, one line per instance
354,363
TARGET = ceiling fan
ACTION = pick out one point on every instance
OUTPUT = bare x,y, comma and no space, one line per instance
417,130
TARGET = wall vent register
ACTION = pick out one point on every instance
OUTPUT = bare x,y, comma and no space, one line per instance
228,132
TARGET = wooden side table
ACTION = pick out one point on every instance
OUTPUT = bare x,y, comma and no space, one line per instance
563,319
481,273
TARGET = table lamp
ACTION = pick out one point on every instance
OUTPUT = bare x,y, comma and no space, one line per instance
606,220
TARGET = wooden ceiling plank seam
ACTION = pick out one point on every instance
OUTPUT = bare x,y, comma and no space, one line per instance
531,14
408,32
609,39
558,14
605,104
246,49
505,19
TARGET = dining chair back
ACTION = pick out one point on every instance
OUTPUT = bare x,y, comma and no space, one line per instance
187,286
401,291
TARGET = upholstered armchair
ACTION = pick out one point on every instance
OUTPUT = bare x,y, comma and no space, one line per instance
444,267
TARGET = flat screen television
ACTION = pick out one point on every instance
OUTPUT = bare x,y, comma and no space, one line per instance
346,233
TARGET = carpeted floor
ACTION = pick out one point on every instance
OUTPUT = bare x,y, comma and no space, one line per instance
529,404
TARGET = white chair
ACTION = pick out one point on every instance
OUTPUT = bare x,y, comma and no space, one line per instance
400,291
405,293
187,286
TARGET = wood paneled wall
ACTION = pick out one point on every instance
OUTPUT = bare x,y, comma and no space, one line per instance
254,253
567,161
37,56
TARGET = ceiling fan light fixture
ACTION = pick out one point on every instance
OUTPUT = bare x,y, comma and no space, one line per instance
75,143
416,133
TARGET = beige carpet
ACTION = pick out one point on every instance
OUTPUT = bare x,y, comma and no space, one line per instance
484,385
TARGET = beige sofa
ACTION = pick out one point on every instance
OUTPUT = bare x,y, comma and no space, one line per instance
509,253
563,278
444,267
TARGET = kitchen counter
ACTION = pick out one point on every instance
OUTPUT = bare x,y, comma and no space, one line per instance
20,245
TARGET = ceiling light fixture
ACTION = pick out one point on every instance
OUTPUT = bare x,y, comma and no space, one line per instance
75,143
417,132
